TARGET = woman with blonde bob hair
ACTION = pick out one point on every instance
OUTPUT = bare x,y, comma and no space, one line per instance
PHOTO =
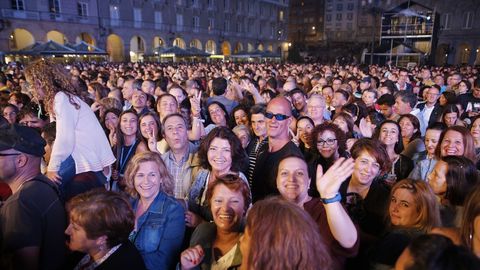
281,235
413,211
159,217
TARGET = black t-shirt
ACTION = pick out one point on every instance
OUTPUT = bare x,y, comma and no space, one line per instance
34,216
265,173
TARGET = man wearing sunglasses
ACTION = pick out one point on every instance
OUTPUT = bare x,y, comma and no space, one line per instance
32,219
278,117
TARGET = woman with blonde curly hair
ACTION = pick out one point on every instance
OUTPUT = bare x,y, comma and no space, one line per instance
281,235
159,218
80,145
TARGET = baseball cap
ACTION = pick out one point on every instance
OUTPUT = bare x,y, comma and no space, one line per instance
23,139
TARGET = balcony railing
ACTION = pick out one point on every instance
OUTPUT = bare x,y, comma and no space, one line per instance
48,16
407,30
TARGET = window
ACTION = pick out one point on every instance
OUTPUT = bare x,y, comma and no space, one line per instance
339,7
349,16
349,26
158,19
114,15
194,3
82,9
350,6
226,4
328,18
137,17
180,22
211,24
54,6
280,15
18,5
210,3
226,25
196,22
467,20
446,21
339,16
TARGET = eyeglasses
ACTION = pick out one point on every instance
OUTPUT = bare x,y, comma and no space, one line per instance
278,116
9,154
327,141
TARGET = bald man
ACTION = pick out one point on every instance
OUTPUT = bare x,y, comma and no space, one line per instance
278,117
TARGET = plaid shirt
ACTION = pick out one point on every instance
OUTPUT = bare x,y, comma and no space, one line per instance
181,171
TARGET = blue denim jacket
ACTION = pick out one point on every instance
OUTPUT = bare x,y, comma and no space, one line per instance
160,232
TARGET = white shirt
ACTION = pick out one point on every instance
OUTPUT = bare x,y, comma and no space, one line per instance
80,135
426,113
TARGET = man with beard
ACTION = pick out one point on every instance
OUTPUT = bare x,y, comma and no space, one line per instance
299,101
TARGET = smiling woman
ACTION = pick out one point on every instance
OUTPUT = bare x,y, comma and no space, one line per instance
216,245
159,218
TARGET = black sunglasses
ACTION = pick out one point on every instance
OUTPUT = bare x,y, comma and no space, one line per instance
278,116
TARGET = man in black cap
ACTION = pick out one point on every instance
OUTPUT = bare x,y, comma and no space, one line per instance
32,219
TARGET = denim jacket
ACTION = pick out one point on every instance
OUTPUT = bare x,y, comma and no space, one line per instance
160,232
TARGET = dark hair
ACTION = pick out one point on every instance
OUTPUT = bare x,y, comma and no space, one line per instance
21,97
451,97
407,97
471,211
257,109
234,183
238,108
467,83
219,104
219,85
375,117
399,145
345,94
339,135
272,83
425,250
374,148
450,108
239,157
461,176
170,116
468,143
386,99
100,212
49,132
155,117
437,126
348,119
416,125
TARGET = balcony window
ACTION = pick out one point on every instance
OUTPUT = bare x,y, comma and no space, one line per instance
18,4
339,16
54,6
446,21
467,20
82,9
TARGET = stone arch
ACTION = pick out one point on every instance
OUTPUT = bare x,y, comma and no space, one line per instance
115,48
211,47
179,42
441,54
260,47
57,36
238,47
21,38
86,37
463,53
137,48
158,42
250,47
226,48
195,43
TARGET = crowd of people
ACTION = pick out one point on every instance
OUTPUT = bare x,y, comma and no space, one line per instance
239,166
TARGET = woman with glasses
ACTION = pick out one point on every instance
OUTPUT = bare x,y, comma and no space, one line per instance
412,211
330,142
